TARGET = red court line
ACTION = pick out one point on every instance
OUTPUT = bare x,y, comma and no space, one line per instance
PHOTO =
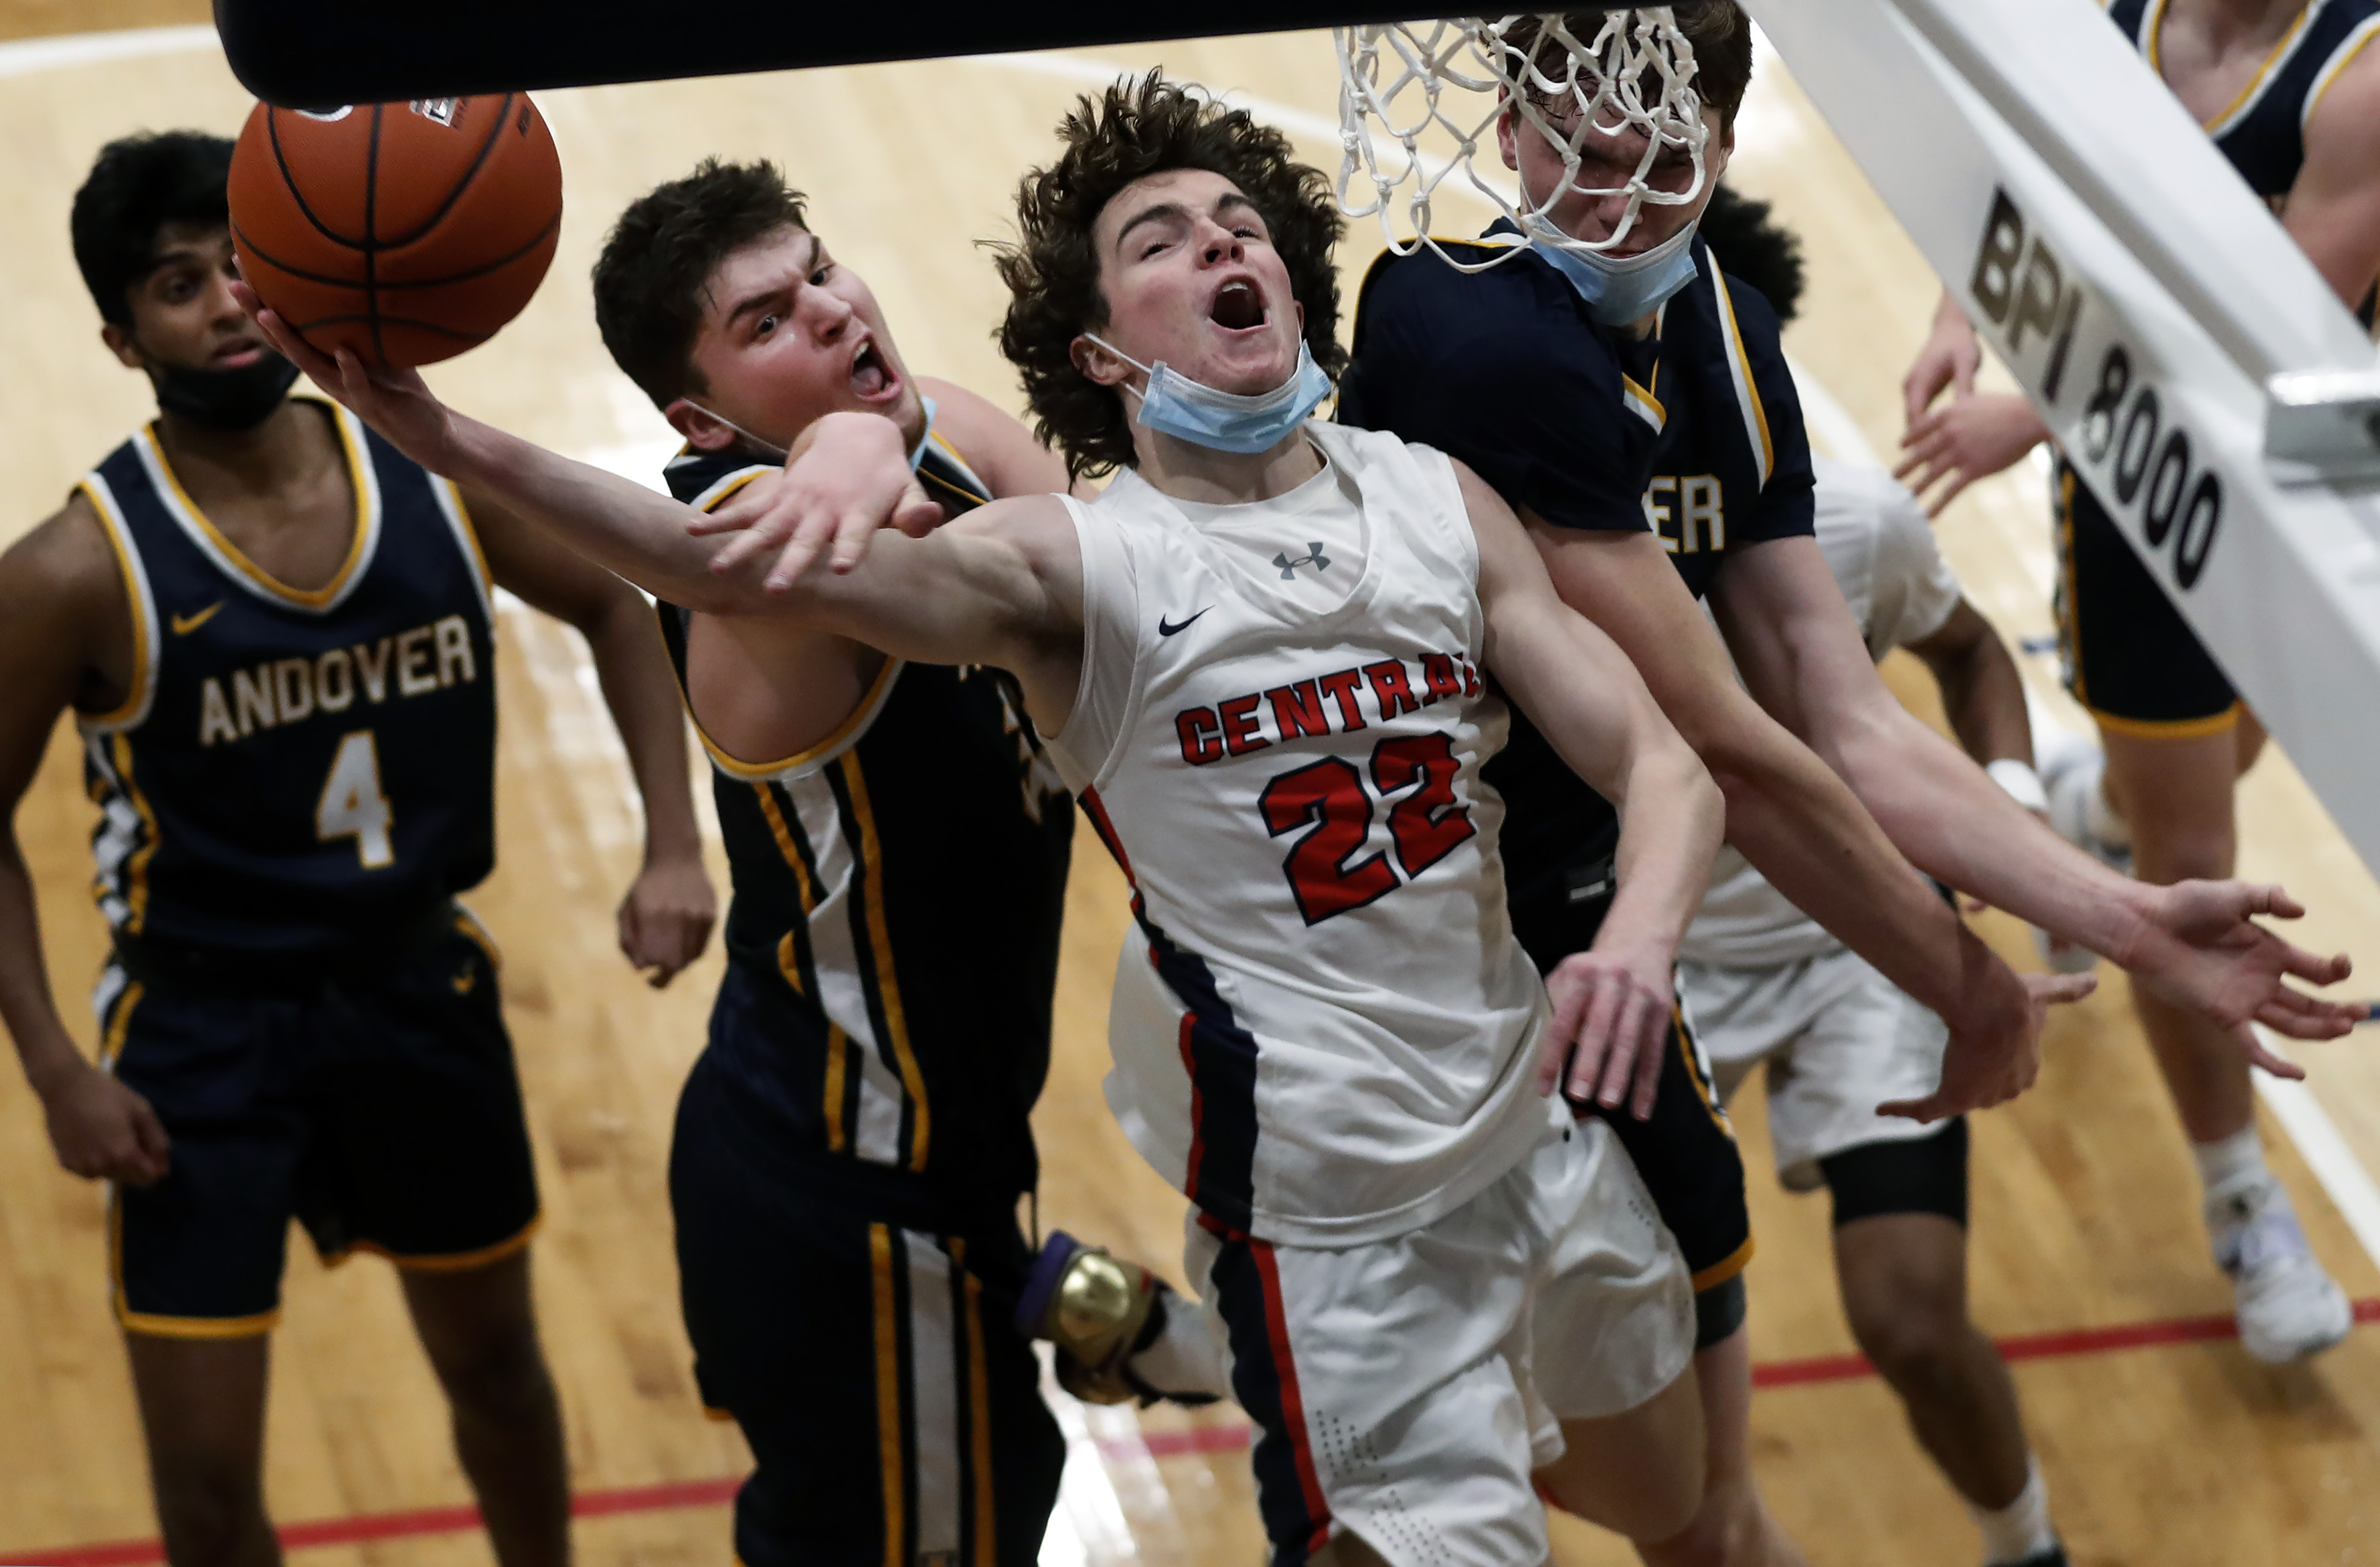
367,1528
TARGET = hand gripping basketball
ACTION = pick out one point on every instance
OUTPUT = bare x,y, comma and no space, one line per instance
396,403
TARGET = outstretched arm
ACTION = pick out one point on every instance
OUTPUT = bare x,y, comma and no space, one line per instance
1001,586
1802,826
1803,659
666,917
1611,1004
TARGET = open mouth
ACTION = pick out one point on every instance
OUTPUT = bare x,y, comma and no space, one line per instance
871,374
1237,308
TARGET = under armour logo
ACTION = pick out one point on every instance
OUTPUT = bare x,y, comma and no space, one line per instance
1313,557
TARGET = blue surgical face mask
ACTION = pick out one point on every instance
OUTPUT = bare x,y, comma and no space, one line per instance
916,452
1622,289
1224,421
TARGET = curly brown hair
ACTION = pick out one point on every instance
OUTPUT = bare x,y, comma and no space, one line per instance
1138,128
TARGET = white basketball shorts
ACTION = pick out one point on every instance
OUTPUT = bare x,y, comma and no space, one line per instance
1406,1390
1839,1039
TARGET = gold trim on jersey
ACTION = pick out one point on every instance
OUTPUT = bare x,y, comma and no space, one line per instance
1747,390
135,890
467,534
892,1460
2340,58
1726,1268
147,647
986,1517
481,938
235,563
1641,401
119,1023
2153,24
443,1262
2168,729
871,701
789,964
847,734
164,1327
879,943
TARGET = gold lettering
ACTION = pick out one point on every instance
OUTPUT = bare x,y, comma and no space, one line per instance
374,668
215,713
1657,517
1701,511
293,686
415,673
254,697
335,681
455,650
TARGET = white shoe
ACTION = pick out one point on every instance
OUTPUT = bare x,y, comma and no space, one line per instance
2289,1308
2070,770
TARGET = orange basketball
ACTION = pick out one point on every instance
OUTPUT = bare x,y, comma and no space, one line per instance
404,232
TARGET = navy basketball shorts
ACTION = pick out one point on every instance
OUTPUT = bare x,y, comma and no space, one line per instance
380,1112
1687,1151
870,1357
2129,657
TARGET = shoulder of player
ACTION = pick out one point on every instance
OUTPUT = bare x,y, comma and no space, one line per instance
62,580
65,557
2342,120
991,440
1486,319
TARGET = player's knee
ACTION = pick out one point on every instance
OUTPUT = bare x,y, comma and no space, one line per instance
1724,1530
1916,1333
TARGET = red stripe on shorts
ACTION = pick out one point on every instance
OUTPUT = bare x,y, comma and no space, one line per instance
1293,1405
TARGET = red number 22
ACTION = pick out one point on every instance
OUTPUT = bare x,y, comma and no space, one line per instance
1328,799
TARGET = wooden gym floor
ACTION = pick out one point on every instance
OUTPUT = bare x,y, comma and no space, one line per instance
2162,1441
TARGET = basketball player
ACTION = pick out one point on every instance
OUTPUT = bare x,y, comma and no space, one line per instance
1769,985
275,635
1636,411
850,1147
1263,654
2291,92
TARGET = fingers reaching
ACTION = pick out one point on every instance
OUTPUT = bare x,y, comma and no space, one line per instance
2259,1055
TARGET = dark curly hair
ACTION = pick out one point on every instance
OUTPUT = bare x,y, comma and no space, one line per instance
1138,128
1752,247
141,184
660,256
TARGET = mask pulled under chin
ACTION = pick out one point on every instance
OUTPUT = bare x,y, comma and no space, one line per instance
227,400
1225,421
1619,290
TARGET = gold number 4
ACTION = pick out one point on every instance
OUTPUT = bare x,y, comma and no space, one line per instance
352,804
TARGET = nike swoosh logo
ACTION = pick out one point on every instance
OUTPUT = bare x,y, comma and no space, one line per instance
1166,628
185,624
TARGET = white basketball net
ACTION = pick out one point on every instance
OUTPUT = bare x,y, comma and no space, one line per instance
1597,73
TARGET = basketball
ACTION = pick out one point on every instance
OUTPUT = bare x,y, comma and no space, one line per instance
407,233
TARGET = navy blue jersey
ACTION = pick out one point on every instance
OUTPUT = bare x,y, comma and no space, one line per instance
893,933
293,772
2263,130
1695,433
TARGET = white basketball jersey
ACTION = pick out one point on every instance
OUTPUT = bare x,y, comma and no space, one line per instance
1325,1036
